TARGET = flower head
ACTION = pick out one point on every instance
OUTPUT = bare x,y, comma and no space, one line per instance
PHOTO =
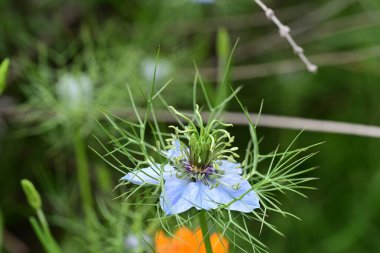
158,70
187,241
136,243
75,92
200,172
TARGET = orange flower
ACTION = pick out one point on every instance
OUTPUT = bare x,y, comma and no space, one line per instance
186,241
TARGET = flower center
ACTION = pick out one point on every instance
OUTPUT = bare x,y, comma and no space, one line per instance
206,144
198,170
206,174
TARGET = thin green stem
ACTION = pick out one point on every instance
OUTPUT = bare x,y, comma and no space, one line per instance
43,232
43,221
83,174
205,232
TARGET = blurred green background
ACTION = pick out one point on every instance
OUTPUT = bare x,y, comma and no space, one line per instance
115,42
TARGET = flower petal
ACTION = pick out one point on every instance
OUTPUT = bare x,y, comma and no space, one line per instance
242,198
149,175
202,196
180,195
229,167
163,243
175,151
219,243
185,240
174,197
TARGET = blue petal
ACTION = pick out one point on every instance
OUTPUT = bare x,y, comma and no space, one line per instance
175,151
203,197
149,175
242,199
229,167
174,197
180,195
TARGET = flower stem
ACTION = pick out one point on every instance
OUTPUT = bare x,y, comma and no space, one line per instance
205,232
46,237
83,174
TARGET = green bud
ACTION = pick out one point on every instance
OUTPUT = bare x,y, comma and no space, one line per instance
223,44
3,74
32,194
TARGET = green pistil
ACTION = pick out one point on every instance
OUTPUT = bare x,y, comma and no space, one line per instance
206,144
200,150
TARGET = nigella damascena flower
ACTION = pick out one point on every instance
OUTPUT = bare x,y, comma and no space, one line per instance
134,243
75,92
162,67
201,174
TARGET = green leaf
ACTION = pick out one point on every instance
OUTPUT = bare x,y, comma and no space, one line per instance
3,74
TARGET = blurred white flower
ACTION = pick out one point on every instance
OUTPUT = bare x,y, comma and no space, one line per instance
203,1
164,67
75,91
134,243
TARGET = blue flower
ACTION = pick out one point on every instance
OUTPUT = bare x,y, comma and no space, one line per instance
185,186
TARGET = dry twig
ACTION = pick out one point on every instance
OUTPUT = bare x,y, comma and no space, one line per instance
285,33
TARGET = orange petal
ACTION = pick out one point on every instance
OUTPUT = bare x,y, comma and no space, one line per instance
200,246
163,243
185,240
219,244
